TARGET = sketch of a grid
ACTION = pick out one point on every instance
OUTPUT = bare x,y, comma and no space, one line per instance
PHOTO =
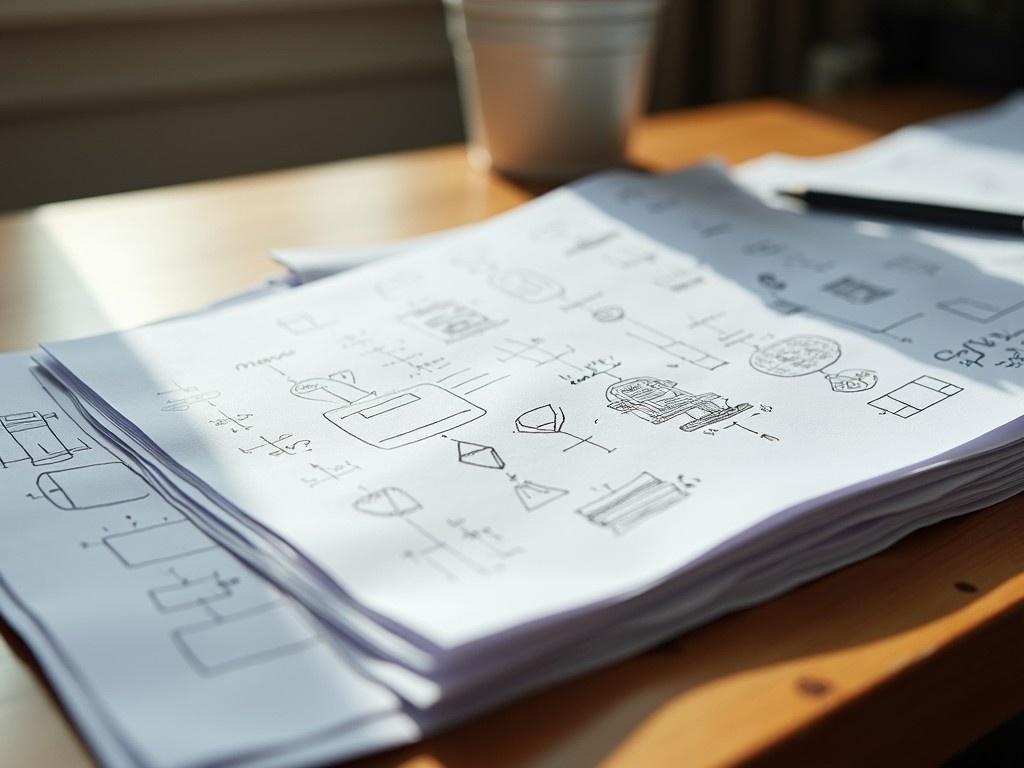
915,396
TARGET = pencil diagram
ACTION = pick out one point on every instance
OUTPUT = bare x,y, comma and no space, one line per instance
533,496
228,642
626,506
674,347
550,420
659,401
158,543
336,388
977,310
405,417
527,285
186,592
476,455
449,321
444,557
915,396
92,486
806,354
29,436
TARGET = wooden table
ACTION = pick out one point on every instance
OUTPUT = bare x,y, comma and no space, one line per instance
909,655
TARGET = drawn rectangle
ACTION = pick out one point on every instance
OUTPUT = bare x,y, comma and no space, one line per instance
913,397
190,594
624,507
158,543
232,642
402,418
449,321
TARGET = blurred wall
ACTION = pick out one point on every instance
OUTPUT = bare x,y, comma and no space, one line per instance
100,96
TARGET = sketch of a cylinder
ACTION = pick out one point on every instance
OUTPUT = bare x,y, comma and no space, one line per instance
92,486
658,401
29,437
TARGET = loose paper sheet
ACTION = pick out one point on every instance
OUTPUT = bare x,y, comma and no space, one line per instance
157,635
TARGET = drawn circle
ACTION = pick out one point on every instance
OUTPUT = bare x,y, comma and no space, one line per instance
796,356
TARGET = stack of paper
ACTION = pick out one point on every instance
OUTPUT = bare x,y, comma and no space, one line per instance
501,459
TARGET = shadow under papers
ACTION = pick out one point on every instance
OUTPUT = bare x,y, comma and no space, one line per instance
898,608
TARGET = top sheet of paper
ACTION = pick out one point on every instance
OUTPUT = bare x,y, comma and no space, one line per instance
573,401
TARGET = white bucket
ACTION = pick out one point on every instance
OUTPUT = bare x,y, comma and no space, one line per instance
550,87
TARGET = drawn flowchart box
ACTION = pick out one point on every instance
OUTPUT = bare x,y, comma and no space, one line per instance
158,543
239,640
913,397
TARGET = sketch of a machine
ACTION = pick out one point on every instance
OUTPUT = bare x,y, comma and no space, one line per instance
92,486
658,401
915,396
624,507
405,417
29,437
187,593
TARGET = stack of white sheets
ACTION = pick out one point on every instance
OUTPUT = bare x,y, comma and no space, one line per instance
502,457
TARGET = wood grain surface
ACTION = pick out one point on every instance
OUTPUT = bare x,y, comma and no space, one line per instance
907,656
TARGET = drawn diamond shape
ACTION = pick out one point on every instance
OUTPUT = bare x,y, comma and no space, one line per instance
480,456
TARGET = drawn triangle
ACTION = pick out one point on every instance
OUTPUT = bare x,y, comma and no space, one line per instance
534,495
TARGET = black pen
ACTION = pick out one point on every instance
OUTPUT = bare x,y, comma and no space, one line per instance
927,213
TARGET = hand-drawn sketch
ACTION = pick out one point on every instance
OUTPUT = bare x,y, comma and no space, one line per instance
680,279
533,496
229,642
236,423
603,313
301,323
325,474
181,404
159,543
92,486
786,255
977,310
282,445
913,264
549,420
405,417
852,380
337,387
675,347
658,401
624,507
30,437
473,382
186,592
796,356
915,396
625,256
527,285
449,321
387,502
476,455
856,291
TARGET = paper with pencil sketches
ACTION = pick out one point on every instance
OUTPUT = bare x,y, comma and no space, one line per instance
520,447
166,649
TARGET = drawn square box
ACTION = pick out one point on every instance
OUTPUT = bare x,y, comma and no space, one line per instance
238,640
158,543
917,395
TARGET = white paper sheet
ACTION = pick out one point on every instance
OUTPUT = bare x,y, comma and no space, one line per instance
167,649
555,410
